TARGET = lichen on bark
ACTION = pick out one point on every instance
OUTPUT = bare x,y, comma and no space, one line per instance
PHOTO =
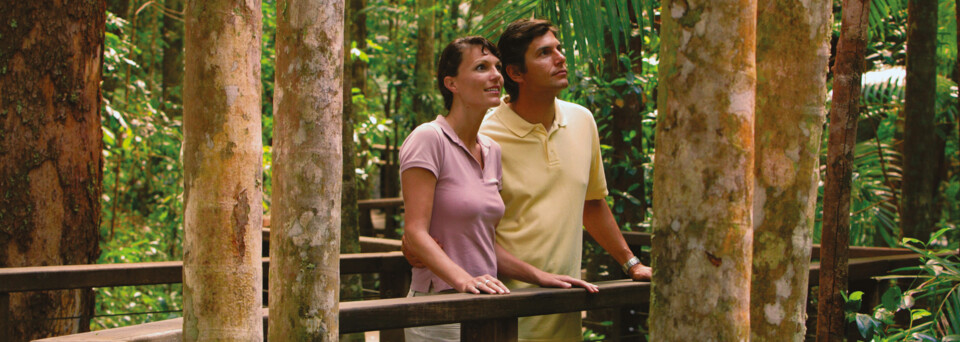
703,174
304,275
792,56
222,159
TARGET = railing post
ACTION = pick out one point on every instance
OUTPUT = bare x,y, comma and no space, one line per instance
494,330
393,285
6,317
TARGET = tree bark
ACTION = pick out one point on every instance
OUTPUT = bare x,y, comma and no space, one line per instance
835,237
222,161
358,33
305,272
793,53
703,174
351,287
51,167
172,87
626,116
920,155
423,73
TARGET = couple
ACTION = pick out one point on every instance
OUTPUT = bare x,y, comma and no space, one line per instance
469,218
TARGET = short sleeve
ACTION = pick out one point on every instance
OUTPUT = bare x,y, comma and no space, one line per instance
597,184
422,149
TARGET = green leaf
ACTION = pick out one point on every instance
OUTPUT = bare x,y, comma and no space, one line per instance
918,314
853,301
891,298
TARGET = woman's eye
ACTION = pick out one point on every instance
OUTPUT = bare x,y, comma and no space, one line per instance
481,67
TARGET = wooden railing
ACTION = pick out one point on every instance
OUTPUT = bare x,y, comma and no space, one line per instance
484,318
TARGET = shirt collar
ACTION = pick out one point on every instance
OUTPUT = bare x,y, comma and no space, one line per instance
520,126
452,135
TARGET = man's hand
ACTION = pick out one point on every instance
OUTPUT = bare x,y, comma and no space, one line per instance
639,272
565,282
412,256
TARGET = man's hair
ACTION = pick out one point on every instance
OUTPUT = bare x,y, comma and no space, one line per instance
450,60
513,46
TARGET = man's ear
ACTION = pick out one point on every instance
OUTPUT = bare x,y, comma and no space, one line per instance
513,72
450,83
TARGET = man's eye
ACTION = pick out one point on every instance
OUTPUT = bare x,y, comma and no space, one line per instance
480,67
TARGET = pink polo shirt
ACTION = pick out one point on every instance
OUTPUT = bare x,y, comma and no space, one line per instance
466,202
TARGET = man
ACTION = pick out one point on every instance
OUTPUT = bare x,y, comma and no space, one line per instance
553,182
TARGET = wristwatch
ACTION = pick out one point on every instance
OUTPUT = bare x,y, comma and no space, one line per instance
629,264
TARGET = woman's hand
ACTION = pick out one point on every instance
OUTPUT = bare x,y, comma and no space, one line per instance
482,284
566,282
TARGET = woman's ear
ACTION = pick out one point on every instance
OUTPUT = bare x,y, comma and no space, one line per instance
513,72
450,83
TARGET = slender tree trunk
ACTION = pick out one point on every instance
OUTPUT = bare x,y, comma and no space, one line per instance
305,274
222,161
703,197
358,33
172,89
835,238
793,53
626,115
423,73
920,157
51,168
351,287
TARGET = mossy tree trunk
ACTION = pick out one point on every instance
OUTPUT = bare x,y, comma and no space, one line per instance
793,53
51,168
423,73
305,270
172,63
222,161
921,154
703,173
351,287
835,238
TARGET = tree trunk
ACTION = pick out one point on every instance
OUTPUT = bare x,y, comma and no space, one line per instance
835,237
305,274
222,161
423,73
351,287
793,53
703,173
358,33
172,88
920,157
626,115
51,168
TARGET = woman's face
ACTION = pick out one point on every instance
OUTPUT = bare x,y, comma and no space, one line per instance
478,79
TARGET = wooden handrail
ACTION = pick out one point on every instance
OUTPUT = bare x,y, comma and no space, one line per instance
458,307
43,278
476,310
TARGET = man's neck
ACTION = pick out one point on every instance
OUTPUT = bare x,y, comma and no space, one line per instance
536,108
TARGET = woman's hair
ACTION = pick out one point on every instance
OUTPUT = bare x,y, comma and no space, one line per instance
514,41
450,60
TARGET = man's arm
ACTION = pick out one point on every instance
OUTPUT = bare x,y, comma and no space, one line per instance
599,222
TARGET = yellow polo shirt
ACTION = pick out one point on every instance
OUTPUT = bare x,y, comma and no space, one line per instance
547,175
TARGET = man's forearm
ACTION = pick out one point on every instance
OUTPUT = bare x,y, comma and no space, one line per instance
599,222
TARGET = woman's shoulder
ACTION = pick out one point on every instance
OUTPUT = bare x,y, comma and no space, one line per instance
426,132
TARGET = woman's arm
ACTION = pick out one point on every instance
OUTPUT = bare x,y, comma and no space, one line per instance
418,186
509,266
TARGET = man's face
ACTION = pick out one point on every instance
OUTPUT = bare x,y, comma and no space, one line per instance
546,65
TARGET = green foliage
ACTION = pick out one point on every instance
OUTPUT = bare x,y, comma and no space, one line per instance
929,310
142,182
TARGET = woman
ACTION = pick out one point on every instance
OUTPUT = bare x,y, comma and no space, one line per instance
450,178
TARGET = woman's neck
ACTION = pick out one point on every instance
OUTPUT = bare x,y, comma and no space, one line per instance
465,121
